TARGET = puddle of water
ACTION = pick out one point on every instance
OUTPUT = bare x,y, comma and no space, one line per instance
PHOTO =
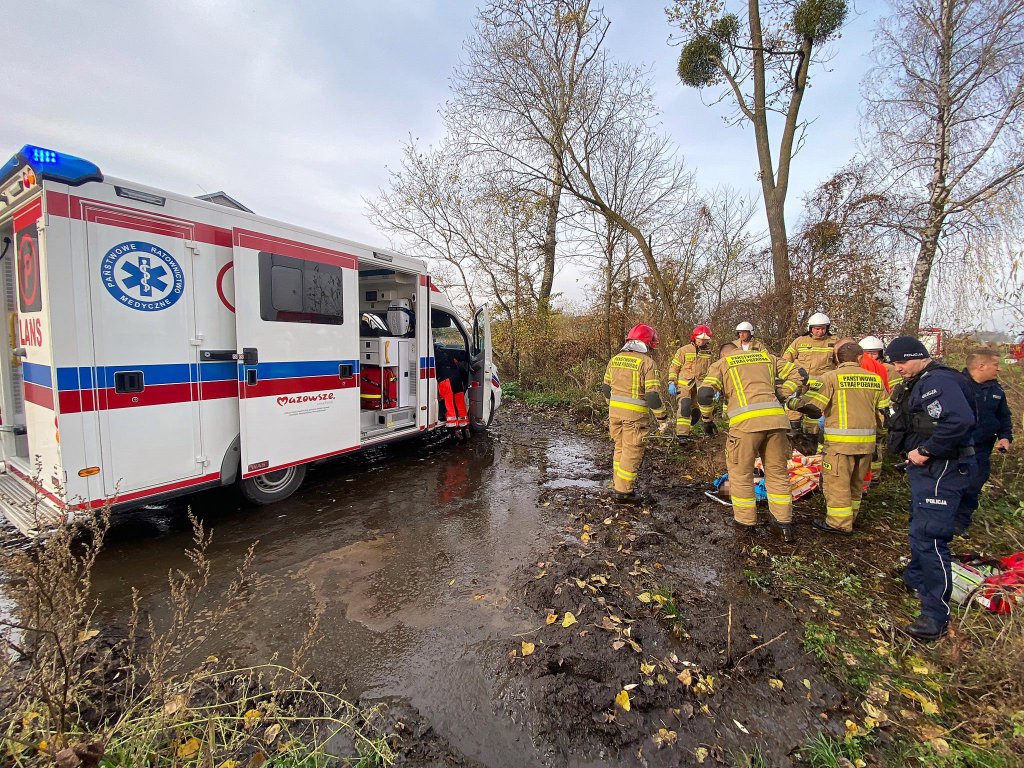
407,552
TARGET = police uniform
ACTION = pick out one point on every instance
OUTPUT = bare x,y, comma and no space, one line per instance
632,387
757,427
933,414
689,364
995,422
815,356
852,400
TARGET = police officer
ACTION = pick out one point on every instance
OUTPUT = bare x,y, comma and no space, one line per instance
632,387
932,425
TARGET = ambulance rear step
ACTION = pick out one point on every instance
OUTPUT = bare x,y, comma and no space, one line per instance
28,512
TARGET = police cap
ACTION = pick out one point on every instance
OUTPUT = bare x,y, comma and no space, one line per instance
904,348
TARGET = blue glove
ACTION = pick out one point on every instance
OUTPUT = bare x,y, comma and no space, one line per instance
672,389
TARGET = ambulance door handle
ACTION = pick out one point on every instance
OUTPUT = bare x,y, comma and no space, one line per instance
250,356
251,377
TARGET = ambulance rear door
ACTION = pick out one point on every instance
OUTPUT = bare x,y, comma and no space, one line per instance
480,400
297,322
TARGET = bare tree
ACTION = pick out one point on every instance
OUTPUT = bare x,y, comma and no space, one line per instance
518,88
772,49
945,113
477,221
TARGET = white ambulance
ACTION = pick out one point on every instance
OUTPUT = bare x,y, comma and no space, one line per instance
160,344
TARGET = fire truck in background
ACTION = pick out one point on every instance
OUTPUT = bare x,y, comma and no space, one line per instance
160,344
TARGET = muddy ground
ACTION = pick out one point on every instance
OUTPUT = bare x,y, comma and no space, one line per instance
664,615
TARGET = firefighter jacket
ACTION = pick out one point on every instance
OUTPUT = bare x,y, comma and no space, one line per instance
690,364
747,381
754,345
852,400
813,355
632,386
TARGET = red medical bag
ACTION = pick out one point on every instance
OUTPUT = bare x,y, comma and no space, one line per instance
378,388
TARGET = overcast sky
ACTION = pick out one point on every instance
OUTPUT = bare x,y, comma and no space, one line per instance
296,109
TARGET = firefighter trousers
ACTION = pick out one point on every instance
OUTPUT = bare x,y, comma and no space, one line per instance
741,450
842,477
876,460
686,414
628,435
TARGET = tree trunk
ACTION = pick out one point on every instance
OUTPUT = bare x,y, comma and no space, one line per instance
550,242
919,279
775,212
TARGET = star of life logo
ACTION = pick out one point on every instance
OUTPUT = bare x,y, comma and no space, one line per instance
142,276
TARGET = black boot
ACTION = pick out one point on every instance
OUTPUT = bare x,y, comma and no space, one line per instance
785,531
821,525
625,498
926,629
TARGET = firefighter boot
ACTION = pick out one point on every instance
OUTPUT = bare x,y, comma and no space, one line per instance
926,629
785,530
821,525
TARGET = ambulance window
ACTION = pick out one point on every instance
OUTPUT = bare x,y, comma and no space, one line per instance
446,330
299,291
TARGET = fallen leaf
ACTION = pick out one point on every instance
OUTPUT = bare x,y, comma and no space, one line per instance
188,748
528,648
580,583
618,645
775,683
662,680
622,700
568,620
229,764
646,669
644,597
258,758
685,677
451,582
852,729
251,718
629,687
585,537
741,726
807,684
607,521
700,754
175,704
87,634
665,738
211,660
479,597
551,618
939,746
272,732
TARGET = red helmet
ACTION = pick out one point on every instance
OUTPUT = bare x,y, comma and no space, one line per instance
644,333
700,329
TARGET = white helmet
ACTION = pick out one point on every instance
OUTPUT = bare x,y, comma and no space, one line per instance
745,326
872,344
818,318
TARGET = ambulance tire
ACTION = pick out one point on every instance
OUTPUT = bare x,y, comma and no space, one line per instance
273,486
483,427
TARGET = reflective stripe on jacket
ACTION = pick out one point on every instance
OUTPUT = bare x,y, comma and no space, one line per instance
747,381
634,386
851,399
690,363
813,355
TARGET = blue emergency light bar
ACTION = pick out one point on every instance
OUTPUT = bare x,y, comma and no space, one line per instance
55,166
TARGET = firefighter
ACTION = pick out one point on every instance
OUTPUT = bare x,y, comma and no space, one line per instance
994,429
689,365
932,424
813,352
872,360
632,388
745,340
757,427
853,401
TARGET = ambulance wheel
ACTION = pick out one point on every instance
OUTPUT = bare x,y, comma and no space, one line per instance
273,486
490,417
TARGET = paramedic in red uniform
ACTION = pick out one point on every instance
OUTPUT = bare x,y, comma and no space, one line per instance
452,382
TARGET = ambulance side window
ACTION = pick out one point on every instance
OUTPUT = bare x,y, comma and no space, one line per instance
299,291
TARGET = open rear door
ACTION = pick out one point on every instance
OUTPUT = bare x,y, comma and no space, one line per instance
480,401
297,322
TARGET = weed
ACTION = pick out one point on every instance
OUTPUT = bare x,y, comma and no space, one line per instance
755,759
825,751
821,641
